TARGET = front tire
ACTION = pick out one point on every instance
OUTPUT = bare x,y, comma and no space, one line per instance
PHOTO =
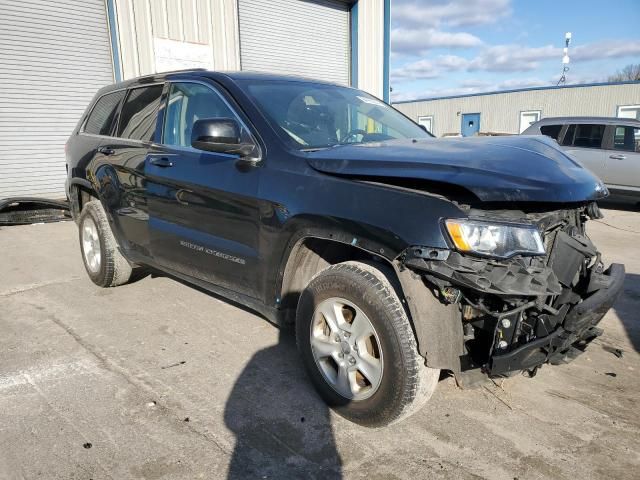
102,259
359,348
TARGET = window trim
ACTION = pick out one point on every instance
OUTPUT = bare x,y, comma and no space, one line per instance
238,117
524,112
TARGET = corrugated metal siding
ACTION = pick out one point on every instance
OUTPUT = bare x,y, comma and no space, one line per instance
371,46
296,37
500,112
54,56
213,23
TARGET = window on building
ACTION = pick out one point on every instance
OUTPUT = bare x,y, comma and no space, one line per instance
584,135
427,122
528,118
189,102
626,138
629,111
552,131
101,117
138,117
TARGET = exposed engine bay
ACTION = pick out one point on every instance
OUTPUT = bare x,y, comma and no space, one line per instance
521,312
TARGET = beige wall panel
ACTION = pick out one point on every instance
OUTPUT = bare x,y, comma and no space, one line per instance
212,23
371,46
128,39
225,39
144,34
174,19
159,18
190,21
500,112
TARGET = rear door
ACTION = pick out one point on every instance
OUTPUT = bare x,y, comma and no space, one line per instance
584,142
202,205
120,166
622,157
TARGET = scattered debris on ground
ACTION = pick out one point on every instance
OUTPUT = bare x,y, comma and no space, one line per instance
28,210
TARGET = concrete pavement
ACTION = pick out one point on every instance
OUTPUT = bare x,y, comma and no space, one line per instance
156,380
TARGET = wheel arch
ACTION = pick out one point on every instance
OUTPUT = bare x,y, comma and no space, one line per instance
437,327
310,255
80,192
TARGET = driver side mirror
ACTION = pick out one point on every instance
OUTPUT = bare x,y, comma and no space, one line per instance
221,135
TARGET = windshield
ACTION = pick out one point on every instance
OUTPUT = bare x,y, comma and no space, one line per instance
314,115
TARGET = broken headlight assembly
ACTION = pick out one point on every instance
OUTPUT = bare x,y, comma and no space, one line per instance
494,239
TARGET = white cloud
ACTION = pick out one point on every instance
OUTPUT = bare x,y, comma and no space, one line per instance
422,70
512,58
606,49
455,13
418,41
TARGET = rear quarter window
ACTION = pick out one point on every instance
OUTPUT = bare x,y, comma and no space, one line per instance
103,113
552,131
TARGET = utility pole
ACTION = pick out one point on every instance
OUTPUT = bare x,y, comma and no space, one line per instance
565,59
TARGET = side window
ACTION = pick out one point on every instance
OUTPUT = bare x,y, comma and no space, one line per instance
189,102
588,136
138,117
626,138
101,117
552,131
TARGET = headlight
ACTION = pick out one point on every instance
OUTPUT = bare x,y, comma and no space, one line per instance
496,240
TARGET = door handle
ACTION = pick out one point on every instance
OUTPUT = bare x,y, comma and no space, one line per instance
618,157
180,194
106,150
163,162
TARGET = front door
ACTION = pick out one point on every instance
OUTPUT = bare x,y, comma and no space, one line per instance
470,124
202,205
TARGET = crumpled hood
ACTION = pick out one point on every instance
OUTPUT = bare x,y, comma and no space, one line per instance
495,169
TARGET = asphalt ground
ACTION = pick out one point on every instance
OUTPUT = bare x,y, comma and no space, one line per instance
157,380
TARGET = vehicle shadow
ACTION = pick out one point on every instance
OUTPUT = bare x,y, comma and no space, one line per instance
628,306
619,203
282,428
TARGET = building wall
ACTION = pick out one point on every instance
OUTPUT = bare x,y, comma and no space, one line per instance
370,47
158,35
155,35
500,112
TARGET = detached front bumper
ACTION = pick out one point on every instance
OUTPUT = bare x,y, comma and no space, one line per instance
568,340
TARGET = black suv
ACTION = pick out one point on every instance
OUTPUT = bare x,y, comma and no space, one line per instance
395,254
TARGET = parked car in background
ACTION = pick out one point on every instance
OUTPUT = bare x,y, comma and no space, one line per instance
395,254
609,147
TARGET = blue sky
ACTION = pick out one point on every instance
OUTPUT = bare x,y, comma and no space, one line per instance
449,47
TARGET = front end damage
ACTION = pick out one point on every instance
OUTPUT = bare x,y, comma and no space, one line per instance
517,313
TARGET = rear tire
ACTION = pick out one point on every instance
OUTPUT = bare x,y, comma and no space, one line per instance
382,385
104,263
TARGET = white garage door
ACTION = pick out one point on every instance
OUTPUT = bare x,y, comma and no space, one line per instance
296,37
54,55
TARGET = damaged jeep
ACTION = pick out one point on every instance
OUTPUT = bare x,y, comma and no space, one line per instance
394,254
